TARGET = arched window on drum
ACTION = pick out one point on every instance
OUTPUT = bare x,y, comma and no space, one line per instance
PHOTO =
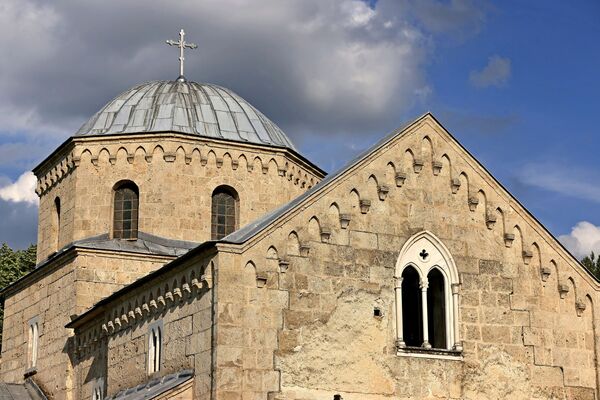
224,212
125,210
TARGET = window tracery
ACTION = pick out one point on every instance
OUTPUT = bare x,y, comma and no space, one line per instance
426,296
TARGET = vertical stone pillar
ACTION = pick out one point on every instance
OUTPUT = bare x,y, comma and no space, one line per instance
455,318
424,285
399,327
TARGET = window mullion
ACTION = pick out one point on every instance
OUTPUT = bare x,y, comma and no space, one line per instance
455,319
424,285
399,327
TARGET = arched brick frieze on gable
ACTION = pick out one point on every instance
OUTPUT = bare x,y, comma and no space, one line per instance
293,244
314,229
427,154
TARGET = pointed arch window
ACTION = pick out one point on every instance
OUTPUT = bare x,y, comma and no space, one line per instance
33,343
57,222
126,209
427,298
155,341
224,212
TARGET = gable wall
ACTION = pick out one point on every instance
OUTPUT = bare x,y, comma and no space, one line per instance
527,332
114,345
48,242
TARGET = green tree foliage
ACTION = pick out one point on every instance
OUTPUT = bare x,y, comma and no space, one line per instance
592,263
13,265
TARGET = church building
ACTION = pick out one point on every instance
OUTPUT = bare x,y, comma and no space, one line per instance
187,250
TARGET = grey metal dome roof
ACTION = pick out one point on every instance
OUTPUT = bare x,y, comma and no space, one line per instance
187,107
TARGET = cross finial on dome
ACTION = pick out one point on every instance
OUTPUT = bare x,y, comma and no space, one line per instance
182,45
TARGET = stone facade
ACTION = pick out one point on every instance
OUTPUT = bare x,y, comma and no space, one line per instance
303,306
72,284
176,175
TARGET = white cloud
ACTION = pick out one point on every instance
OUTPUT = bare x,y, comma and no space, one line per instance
583,239
22,190
358,13
573,182
495,73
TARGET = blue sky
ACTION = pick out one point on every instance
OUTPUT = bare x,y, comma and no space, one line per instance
515,82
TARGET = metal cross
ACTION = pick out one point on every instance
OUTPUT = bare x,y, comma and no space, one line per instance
182,45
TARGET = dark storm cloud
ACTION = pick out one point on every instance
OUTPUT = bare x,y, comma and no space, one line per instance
310,65
338,71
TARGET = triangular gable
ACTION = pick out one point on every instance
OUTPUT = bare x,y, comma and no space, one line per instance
256,230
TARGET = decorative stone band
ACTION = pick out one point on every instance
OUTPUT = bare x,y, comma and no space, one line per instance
294,172
155,303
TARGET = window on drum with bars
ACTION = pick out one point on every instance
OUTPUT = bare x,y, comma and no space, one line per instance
126,208
224,212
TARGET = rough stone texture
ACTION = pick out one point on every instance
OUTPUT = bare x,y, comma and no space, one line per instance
69,286
176,175
287,315
120,355
521,339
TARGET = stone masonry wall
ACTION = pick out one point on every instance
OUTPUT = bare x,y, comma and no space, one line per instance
68,288
298,302
114,346
50,299
176,176
50,237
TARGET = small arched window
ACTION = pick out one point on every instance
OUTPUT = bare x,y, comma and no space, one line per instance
33,342
426,296
155,340
57,222
126,207
224,212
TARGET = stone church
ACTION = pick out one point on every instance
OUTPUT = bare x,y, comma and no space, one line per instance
187,250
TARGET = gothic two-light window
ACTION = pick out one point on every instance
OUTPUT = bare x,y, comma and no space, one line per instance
224,212
126,207
426,297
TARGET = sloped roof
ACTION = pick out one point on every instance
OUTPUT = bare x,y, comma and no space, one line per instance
154,387
251,229
24,391
247,232
144,244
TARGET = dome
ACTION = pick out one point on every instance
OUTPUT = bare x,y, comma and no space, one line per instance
186,107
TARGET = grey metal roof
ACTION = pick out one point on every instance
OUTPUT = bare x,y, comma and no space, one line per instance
154,387
185,107
25,391
145,243
9,391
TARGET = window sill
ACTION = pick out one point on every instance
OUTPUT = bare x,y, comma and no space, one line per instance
420,352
